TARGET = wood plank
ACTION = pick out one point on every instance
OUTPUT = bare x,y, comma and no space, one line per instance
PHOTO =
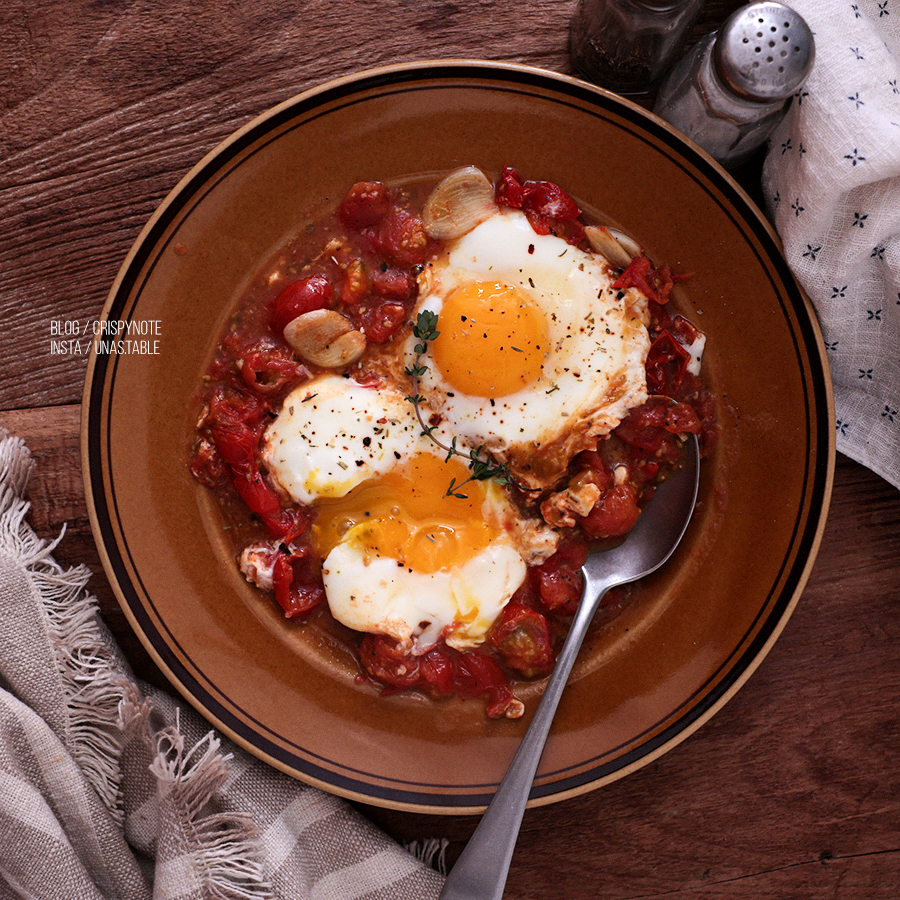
790,789
139,93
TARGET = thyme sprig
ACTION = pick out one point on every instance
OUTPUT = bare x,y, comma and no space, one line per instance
481,466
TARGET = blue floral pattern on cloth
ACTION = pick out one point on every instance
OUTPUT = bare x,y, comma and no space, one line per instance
831,182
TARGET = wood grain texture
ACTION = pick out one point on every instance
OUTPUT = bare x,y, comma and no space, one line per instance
791,791
108,104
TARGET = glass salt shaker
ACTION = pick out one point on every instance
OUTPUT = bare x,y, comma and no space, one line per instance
735,85
626,46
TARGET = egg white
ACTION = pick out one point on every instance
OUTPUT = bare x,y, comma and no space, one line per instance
333,433
594,370
460,604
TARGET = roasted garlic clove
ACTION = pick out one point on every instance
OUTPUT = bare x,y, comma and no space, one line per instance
459,202
325,338
617,248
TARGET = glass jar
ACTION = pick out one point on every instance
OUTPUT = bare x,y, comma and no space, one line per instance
627,46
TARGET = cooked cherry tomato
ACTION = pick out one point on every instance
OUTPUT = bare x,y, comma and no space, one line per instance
394,284
645,428
468,674
207,466
234,424
235,421
384,661
521,636
377,245
299,297
560,581
298,583
614,514
366,204
703,403
654,283
510,189
667,363
589,466
547,206
269,369
380,321
442,668
681,419
378,299
663,319
355,286
402,238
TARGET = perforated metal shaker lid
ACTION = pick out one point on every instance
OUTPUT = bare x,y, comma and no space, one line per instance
764,51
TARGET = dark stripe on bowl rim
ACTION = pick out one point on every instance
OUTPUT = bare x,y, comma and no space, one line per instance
819,433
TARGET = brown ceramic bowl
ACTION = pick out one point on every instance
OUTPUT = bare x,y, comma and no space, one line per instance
693,633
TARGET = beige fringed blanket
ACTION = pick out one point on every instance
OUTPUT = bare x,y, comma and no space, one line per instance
108,790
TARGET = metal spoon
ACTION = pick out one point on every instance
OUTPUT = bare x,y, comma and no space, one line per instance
481,870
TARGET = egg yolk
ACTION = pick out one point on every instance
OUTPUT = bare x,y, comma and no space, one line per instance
493,339
406,515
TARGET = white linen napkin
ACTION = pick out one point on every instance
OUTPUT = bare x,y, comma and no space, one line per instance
831,182
110,791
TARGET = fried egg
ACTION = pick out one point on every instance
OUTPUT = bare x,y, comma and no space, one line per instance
537,352
402,554
405,558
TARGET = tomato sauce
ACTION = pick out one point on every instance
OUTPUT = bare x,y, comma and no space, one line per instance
363,262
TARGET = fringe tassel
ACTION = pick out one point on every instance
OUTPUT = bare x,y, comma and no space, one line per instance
105,707
431,852
93,680
224,846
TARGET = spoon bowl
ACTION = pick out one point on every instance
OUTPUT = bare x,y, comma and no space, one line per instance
481,870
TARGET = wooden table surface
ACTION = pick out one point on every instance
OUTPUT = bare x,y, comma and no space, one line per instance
793,790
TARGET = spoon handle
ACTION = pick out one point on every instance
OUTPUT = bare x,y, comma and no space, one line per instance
481,870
